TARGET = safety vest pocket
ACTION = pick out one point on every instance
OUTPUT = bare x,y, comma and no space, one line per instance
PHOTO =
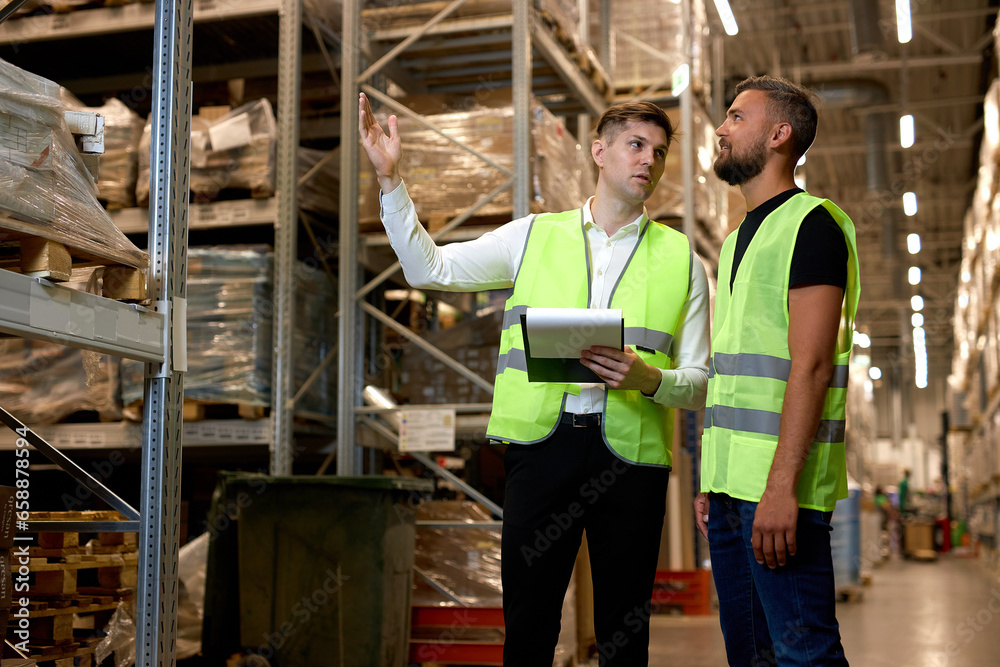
749,464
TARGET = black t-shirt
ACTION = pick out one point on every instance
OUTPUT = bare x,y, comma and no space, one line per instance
820,254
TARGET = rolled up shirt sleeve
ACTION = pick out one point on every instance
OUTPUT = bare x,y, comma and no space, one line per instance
488,262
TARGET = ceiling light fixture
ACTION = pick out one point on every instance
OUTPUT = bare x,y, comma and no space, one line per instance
913,275
729,21
910,203
904,26
917,320
875,373
917,303
913,243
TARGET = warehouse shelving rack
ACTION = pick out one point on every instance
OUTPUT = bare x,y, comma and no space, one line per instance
279,211
36,308
520,37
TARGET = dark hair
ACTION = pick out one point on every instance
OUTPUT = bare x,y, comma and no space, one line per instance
791,103
614,119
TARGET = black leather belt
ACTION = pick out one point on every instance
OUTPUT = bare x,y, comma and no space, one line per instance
591,420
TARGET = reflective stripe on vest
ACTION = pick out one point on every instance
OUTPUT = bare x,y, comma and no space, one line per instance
766,366
555,272
750,366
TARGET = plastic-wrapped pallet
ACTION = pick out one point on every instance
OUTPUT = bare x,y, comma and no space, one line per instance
233,153
120,160
463,561
230,316
45,188
42,383
443,179
321,192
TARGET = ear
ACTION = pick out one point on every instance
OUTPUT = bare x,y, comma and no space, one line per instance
781,134
597,150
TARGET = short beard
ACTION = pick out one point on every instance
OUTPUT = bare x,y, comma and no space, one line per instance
738,170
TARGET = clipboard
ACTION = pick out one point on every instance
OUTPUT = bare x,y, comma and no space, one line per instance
548,369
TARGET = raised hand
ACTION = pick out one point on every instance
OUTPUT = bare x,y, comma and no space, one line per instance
384,150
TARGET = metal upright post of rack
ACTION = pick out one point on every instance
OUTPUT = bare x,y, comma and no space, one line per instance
159,528
285,235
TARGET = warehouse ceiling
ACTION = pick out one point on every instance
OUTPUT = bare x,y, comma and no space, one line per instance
849,52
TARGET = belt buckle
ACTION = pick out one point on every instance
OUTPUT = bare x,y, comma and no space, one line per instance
583,420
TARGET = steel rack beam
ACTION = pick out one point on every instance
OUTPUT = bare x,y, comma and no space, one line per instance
42,310
567,70
127,18
217,215
75,471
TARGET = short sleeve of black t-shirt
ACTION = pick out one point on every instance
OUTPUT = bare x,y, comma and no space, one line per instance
820,254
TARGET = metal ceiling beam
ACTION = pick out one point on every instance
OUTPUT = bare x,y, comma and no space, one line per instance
855,67
852,147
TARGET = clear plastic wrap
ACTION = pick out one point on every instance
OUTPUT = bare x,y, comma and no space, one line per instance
229,314
637,25
443,179
235,152
45,188
42,383
192,563
465,562
120,161
120,637
321,193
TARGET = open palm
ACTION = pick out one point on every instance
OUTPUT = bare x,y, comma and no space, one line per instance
384,150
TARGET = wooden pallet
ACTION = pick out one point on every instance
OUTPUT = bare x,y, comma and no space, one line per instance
196,411
40,257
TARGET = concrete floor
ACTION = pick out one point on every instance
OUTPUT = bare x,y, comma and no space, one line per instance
940,614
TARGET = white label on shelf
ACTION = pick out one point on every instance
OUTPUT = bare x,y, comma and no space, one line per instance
427,430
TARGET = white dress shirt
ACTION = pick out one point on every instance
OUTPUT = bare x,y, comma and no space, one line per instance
492,260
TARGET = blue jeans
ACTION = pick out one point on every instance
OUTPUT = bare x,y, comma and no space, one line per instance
783,617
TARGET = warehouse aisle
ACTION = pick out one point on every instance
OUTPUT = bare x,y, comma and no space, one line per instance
943,614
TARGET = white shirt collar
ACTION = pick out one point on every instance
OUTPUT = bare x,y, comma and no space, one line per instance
635,226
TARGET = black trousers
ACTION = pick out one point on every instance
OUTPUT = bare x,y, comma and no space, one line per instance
555,490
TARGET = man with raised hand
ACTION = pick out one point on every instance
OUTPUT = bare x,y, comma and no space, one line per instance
592,456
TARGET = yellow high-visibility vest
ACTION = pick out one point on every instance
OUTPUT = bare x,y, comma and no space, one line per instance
750,364
555,272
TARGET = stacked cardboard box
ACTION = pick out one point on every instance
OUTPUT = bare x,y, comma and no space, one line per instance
474,343
120,160
234,152
42,383
230,319
443,180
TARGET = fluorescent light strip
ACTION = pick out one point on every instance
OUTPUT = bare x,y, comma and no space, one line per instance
910,203
904,28
728,20
913,243
907,132
920,357
913,276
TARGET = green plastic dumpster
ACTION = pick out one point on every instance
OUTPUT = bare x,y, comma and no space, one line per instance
310,571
